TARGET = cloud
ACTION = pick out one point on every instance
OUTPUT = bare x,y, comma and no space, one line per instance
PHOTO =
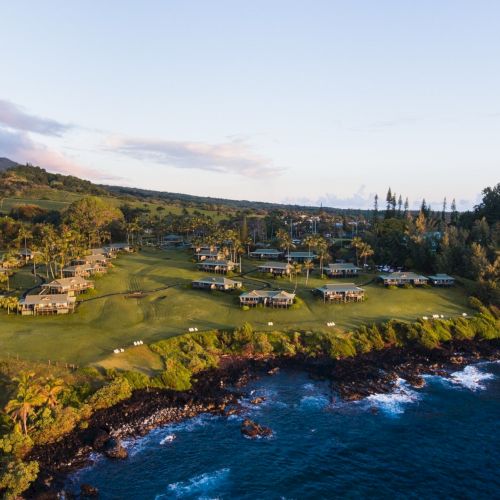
232,157
14,117
18,146
360,199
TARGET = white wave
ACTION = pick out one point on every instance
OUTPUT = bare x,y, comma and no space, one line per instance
394,403
168,439
470,378
309,387
314,401
198,485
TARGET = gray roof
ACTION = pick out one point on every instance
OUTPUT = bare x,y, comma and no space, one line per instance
77,280
274,294
212,262
403,275
342,266
217,280
55,299
311,255
340,287
275,265
267,251
441,276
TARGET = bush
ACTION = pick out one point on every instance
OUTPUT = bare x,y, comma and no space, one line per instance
114,392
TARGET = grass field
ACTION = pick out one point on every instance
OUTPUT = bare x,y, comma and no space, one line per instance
103,322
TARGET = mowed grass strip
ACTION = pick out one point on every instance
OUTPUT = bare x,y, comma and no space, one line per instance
107,319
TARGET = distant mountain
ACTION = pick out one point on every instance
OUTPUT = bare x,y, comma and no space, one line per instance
5,163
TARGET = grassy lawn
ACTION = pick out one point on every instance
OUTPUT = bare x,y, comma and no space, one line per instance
103,323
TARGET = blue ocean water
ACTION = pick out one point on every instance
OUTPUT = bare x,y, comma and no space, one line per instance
442,441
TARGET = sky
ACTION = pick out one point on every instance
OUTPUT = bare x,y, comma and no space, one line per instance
276,100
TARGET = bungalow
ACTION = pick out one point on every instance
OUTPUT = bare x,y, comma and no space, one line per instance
83,270
271,298
276,268
266,253
301,256
344,292
26,254
172,240
342,269
119,247
91,260
208,254
70,286
37,305
216,265
216,283
403,278
442,280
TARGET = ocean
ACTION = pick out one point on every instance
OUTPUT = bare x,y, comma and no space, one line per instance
441,441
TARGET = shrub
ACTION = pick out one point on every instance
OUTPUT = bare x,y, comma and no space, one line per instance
114,392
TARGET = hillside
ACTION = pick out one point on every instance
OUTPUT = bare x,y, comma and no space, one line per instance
34,185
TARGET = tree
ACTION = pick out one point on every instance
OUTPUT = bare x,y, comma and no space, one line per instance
400,206
90,216
357,244
365,251
296,269
308,266
490,205
454,213
284,240
51,390
406,208
27,399
375,210
388,200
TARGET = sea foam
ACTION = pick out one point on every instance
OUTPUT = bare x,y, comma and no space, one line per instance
470,378
201,486
395,402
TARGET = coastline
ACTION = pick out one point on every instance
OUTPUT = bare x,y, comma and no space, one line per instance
217,391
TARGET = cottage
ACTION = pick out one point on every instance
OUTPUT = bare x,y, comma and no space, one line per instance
342,269
276,268
266,253
216,283
216,265
301,256
270,298
83,270
208,254
91,260
403,278
38,305
442,280
71,286
26,254
119,247
342,292
172,240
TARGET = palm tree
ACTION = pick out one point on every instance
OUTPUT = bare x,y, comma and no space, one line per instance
24,234
296,268
28,398
366,251
308,266
357,243
52,388
284,241
321,246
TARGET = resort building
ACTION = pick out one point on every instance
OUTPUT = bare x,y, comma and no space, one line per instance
216,265
70,286
172,240
119,247
342,292
91,259
276,268
83,270
270,298
216,283
442,280
26,255
266,253
342,270
205,254
403,278
38,305
301,256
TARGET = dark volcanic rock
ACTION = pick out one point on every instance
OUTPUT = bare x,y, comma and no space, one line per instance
88,491
258,400
113,448
253,429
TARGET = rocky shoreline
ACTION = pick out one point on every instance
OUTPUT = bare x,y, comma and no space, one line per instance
217,391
